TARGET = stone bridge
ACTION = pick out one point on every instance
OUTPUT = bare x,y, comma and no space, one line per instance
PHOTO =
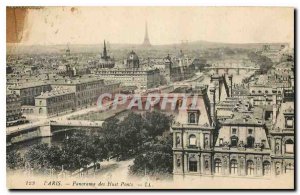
226,68
46,129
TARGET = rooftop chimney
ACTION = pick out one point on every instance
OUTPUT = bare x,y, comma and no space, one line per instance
274,98
230,81
213,105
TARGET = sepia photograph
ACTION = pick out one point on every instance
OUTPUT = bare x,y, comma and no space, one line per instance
150,97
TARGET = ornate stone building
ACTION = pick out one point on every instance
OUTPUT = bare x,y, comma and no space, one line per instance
282,136
233,137
178,68
106,61
242,148
132,75
193,138
132,60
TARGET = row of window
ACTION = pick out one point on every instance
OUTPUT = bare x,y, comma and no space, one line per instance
61,108
89,85
135,73
12,118
234,131
58,99
12,99
259,91
96,92
28,100
34,90
193,166
10,112
193,141
27,110
234,142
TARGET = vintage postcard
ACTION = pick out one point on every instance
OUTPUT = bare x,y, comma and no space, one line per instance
150,98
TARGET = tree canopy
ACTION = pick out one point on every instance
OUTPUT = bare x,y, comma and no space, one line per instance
116,139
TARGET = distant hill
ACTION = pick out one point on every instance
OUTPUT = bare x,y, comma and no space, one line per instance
96,48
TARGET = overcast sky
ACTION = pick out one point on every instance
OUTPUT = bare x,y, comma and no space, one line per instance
166,25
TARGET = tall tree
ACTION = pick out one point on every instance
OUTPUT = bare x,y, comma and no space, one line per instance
157,123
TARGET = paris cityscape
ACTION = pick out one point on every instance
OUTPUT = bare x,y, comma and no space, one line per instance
237,120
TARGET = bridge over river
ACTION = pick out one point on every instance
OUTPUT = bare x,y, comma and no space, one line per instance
47,129
226,68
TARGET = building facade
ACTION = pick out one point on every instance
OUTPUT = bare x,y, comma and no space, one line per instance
13,109
28,91
178,68
193,139
55,102
131,74
87,89
242,148
282,136
141,78
236,138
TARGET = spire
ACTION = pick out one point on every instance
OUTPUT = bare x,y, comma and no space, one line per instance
68,51
104,50
146,31
146,38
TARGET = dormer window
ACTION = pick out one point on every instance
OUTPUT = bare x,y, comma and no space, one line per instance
263,144
233,131
221,141
250,141
192,118
234,140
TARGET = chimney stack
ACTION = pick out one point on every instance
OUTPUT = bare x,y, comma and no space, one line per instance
230,81
274,98
213,105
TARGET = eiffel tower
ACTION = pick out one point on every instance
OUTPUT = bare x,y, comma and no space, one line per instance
146,42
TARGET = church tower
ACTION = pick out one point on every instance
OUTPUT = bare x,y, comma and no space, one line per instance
68,51
105,60
146,42
104,54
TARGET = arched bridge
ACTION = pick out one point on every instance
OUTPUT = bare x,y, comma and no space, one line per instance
226,68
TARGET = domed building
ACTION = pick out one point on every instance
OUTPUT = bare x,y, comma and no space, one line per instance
132,60
131,75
